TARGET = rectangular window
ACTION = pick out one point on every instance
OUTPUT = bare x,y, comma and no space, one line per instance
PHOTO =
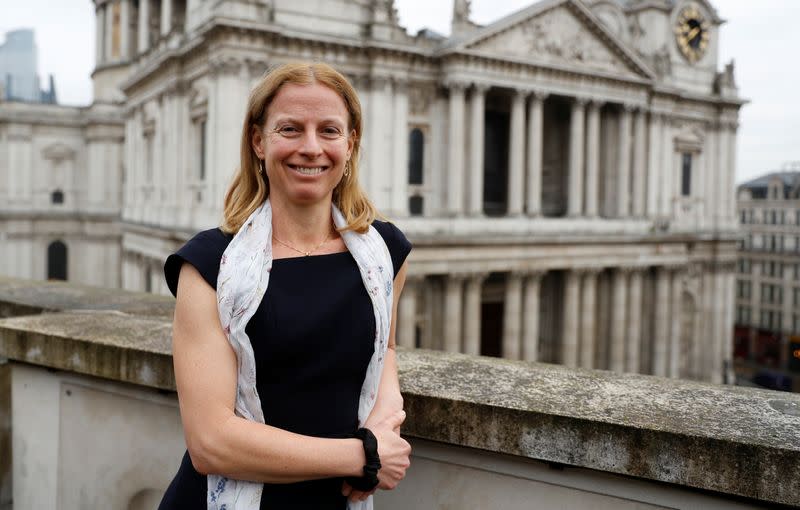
778,295
778,321
772,217
742,217
783,217
796,299
763,319
686,174
765,293
795,323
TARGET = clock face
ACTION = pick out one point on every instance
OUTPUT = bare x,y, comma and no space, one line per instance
692,33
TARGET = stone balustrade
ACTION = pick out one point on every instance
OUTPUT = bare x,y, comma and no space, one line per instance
94,418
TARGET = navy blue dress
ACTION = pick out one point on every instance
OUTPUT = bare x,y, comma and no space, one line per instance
316,305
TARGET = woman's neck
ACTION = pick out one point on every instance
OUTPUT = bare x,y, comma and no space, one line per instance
301,225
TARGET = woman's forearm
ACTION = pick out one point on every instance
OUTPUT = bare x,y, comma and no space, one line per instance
247,450
389,398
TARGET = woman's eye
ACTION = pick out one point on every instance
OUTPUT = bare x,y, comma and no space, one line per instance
287,130
331,132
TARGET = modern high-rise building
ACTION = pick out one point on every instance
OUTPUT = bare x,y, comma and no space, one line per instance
767,338
18,70
566,173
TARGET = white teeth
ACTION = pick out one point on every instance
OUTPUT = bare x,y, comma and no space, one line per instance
309,171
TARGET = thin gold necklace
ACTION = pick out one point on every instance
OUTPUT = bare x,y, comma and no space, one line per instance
306,253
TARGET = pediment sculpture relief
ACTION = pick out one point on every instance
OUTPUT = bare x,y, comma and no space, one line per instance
558,37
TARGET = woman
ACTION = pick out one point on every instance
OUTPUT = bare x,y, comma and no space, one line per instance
283,338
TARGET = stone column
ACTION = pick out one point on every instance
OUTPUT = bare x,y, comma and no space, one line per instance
380,102
453,303
592,158
624,169
676,323
407,314
512,316
588,317
653,165
125,29
569,340
730,190
619,305
639,172
662,319
472,314
476,134
667,186
144,26
109,31
166,17
634,332
535,132
530,316
516,160
576,142
99,29
455,167
400,176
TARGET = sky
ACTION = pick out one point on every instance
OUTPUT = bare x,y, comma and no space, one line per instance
761,35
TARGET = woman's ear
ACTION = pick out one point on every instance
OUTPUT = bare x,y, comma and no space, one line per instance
257,141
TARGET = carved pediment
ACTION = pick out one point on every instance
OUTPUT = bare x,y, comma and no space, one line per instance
563,34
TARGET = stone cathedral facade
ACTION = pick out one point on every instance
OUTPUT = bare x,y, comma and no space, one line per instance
566,173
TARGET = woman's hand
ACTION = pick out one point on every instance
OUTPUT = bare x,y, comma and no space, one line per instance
394,453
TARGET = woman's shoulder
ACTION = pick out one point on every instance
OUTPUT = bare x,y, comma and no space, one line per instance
204,251
399,246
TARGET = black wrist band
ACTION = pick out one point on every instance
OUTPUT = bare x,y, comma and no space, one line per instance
369,480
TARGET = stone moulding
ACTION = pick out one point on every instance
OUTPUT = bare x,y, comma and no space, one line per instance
737,442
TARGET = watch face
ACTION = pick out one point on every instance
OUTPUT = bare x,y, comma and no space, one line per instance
692,32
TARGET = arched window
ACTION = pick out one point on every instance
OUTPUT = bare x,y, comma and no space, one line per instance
57,261
57,197
416,148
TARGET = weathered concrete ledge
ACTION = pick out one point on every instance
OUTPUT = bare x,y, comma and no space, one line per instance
735,441
25,297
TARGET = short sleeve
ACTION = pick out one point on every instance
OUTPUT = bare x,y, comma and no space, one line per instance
204,252
399,246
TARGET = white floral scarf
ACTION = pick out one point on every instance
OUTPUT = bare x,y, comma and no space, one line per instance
242,281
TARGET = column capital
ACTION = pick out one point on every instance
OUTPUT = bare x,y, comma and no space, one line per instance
380,82
477,277
581,101
480,87
596,103
414,279
626,270
588,270
629,107
459,275
535,274
453,84
400,83
538,94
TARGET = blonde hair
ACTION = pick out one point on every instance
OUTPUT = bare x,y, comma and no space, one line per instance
249,189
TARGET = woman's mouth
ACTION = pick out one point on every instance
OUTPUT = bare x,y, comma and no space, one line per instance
308,170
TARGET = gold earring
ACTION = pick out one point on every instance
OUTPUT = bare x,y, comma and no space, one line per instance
347,169
261,169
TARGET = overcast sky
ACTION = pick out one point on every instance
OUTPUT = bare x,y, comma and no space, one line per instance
761,35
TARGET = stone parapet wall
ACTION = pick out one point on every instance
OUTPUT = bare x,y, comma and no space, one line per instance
734,442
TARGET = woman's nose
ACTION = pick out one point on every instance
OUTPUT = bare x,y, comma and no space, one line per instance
310,145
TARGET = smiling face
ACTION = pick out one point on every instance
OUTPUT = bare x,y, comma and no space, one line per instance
305,142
